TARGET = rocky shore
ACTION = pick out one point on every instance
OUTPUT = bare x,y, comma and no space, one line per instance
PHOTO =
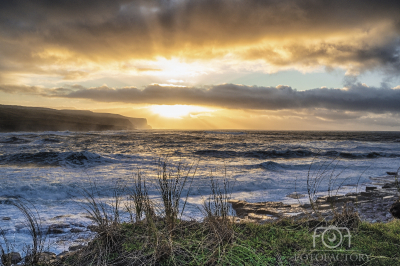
372,205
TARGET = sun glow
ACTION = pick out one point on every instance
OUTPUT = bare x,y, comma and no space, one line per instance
178,111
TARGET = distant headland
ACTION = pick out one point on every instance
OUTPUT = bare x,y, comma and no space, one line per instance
19,118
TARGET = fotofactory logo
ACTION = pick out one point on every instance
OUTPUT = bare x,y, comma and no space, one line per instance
332,236
335,242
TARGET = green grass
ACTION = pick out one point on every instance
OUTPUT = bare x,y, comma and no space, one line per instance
210,243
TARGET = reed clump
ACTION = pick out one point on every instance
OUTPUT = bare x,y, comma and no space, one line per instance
156,233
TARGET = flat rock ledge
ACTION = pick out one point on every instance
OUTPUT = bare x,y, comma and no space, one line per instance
373,206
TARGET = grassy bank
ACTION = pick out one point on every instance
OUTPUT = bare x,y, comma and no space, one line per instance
220,242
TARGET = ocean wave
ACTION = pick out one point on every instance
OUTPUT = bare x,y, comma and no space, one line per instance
46,141
224,132
83,158
50,140
270,165
288,154
259,154
15,140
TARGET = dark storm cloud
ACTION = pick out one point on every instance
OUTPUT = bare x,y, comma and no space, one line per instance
363,57
357,97
102,31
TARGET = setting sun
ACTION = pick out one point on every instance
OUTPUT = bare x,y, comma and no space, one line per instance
177,111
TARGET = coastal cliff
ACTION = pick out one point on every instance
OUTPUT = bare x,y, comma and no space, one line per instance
19,118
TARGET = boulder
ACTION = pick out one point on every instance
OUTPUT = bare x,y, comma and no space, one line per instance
76,247
391,173
55,231
47,256
42,257
76,230
11,258
389,185
57,228
63,255
395,209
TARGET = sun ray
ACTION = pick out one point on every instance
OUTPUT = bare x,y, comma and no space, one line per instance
178,111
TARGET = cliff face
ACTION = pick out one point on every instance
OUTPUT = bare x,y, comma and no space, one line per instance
140,123
19,118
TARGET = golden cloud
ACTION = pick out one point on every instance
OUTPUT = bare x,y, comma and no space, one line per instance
90,36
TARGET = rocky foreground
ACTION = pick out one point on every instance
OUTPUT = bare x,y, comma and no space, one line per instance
373,205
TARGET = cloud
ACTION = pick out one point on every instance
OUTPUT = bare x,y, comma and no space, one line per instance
14,89
41,36
355,57
355,98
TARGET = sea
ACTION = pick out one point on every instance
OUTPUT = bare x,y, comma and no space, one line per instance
52,170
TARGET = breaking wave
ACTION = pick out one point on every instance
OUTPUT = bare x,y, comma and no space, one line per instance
74,159
288,154
15,140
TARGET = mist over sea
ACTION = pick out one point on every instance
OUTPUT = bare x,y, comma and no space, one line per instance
51,168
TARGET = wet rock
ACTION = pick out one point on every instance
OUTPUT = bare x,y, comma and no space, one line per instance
76,230
371,205
391,173
63,255
390,185
324,207
395,209
366,194
93,228
47,256
11,258
296,195
55,231
388,197
60,216
269,211
338,199
333,198
76,247
44,257
59,226
364,198
78,224
243,208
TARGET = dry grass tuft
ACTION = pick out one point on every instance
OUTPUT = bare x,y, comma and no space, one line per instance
34,224
170,185
347,218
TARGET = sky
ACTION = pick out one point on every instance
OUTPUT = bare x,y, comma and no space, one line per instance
208,64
